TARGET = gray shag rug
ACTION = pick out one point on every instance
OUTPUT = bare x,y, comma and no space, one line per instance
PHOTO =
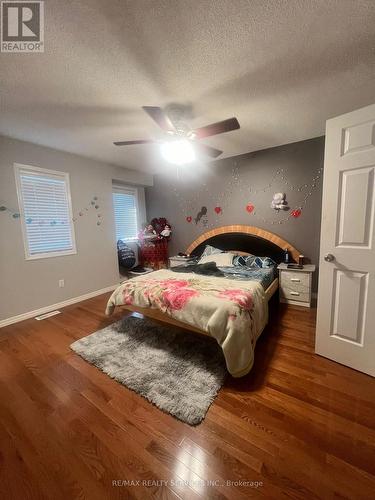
180,373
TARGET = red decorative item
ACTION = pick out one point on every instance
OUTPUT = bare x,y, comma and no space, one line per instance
218,210
250,208
189,219
155,254
296,213
153,242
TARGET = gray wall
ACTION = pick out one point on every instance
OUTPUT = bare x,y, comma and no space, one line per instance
209,185
28,285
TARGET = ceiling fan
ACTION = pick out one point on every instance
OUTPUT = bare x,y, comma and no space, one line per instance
182,142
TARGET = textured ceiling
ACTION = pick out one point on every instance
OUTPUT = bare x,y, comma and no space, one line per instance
282,67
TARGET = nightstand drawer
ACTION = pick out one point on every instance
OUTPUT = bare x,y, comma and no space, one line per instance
293,294
297,280
295,285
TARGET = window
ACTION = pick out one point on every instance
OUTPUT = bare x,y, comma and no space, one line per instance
126,212
45,211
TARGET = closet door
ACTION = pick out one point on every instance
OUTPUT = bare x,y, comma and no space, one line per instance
346,297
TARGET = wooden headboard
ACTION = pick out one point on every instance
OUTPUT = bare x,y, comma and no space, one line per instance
248,239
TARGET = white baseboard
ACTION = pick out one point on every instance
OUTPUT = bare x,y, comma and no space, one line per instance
43,310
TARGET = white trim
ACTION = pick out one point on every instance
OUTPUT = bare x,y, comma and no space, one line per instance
60,174
43,310
121,188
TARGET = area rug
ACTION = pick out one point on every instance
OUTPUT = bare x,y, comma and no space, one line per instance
179,372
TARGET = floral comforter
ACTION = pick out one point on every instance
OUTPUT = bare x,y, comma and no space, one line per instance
233,312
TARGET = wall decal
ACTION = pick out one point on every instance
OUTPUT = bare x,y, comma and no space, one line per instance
14,213
94,203
200,214
296,213
218,210
279,202
237,189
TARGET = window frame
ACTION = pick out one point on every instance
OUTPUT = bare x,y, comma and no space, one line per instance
18,167
122,188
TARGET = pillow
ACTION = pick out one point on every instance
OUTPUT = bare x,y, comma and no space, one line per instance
254,261
240,260
209,250
221,259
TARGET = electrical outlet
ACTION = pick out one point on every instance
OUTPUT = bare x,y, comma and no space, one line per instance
61,283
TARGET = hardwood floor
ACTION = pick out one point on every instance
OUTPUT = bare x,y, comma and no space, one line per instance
298,426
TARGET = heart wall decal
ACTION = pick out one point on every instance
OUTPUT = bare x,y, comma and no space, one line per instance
296,213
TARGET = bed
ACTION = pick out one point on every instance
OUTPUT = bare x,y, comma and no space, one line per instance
230,309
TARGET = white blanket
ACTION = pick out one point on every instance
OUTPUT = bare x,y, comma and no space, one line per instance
233,312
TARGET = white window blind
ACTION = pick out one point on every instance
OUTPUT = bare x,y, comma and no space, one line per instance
45,210
126,216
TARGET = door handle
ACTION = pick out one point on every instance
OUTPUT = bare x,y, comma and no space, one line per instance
329,257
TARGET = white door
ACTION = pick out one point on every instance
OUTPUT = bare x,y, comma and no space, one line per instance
346,299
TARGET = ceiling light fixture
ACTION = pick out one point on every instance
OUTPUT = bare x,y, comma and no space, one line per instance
178,152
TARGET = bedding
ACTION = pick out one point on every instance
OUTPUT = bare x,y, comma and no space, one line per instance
220,259
264,276
209,250
208,269
253,261
232,311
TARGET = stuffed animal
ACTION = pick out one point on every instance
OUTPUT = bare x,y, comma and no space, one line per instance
279,202
167,231
149,232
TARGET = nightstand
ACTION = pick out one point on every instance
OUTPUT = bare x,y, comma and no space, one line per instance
295,285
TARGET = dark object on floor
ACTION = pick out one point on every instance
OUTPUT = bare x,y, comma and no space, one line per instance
140,270
178,372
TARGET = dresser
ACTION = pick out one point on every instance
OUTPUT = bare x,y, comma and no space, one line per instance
295,285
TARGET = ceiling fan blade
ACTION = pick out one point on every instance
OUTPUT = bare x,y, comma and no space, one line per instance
158,115
217,128
207,150
129,143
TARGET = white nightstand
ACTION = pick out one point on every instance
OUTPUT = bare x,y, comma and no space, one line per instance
295,285
179,261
